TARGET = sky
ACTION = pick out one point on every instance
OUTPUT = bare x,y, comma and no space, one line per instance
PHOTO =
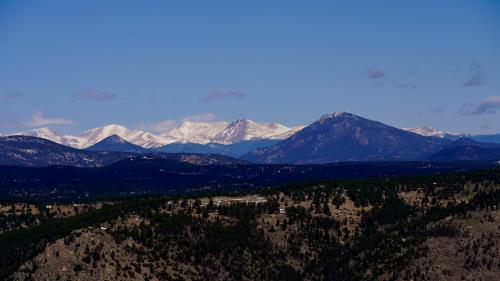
74,65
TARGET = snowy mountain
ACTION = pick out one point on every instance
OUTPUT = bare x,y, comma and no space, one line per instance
148,140
187,132
427,132
44,133
228,133
244,129
138,137
95,135
195,132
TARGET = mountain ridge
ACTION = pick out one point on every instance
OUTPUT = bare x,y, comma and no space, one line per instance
343,136
187,132
30,151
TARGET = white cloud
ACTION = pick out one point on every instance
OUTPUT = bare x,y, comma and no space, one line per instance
489,105
375,72
38,120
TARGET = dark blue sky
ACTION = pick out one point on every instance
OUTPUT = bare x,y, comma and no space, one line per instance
73,65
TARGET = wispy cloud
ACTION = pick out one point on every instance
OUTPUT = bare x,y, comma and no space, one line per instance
222,95
375,72
476,76
489,105
11,96
38,120
95,96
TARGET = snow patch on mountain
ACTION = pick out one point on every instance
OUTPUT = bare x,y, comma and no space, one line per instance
195,132
427,132
244,129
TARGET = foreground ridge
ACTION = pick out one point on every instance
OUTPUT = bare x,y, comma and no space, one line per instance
401,228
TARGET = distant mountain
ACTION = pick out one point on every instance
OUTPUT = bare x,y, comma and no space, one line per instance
466,152
471,142
427,132
244,130
468,149
431,132
234,150
38,152
487,138
187,132
44,133
240,148
347,137
228,133
195,132
33,151
179,147
93,136
138,137
116,143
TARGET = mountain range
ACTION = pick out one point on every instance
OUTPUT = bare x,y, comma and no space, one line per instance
334,137
187,132
38,152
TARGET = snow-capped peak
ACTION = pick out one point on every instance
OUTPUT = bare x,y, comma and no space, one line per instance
44,133
329,116
116,139
195,132
427,131
95,135
188,131
245,129
138,137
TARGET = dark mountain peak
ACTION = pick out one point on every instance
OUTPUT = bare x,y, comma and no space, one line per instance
114,139
116,143
343,136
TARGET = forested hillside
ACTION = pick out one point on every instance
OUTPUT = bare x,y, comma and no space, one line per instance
440,227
